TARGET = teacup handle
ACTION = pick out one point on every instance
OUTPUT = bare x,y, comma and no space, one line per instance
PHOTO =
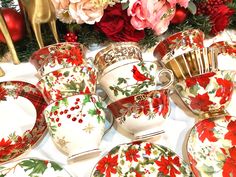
169,83
107,111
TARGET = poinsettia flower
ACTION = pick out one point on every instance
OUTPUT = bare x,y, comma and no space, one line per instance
93,78
229,168
57,74
203,80
107,165
168,166
148,148
5,147
200,102
75,56
225,91
162,103
59,56
231,135
132,155
205,130
143,106
3,93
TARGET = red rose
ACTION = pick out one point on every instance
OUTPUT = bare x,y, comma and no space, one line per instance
115,24
220,19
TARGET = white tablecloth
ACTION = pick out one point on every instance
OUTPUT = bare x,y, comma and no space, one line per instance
176,127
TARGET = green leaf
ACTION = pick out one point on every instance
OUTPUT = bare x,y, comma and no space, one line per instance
121,80
56,167
92,112
208,169
64,102
125,5
100,118
71,86
194,89
2,175
82,86
66,74
99,105
35,166
115,92
86,99
192,7
54,108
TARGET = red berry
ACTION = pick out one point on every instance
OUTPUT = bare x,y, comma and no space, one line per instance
59,124
74,119
65,111
57,119
68,116
55,113
80,120
72,108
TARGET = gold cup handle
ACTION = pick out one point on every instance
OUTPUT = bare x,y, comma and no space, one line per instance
167,84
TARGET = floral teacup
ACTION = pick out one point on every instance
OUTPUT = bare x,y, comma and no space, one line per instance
143,114
117,54
134,78
179,43
208,94
57,56
67,82
76,124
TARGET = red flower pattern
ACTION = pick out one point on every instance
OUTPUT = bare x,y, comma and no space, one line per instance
108,164
132,155
75,56
205,130
3,93
225,91
203,80
231,135
161,105
193,164
143,106
201,102
229,168
5,147
148,148
167,166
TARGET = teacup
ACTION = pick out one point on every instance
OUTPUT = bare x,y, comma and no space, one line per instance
193,63
57,56
116,54
207,95
76,124
179,43
67,82
143,114
134,78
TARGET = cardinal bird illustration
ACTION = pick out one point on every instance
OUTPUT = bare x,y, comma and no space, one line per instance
137,75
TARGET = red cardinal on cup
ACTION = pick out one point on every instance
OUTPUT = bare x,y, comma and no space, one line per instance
137,75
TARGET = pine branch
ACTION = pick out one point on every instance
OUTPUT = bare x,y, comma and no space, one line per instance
150,39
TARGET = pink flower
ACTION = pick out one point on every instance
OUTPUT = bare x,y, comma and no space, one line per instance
61,4
84,11
153,14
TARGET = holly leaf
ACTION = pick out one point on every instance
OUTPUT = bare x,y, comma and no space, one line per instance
35,166
99,105
86,99
71,86
55,166
92,112
121,80
208,169
54,108
64,101
100,118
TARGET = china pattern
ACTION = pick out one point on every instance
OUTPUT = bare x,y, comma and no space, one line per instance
211,147
76,123
141,159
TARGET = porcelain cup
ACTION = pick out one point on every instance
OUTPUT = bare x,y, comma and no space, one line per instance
134,78
67,82
179,43
57,56
117,54
76,124
143,114
207,95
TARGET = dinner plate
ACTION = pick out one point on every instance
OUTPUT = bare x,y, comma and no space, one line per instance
141,159
211,147
18,134
31,167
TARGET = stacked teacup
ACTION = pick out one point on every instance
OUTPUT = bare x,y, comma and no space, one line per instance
137,98
75,114
206,91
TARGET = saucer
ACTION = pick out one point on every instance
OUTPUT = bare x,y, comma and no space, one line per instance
211,147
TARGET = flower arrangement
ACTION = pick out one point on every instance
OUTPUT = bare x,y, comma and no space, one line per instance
144,20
